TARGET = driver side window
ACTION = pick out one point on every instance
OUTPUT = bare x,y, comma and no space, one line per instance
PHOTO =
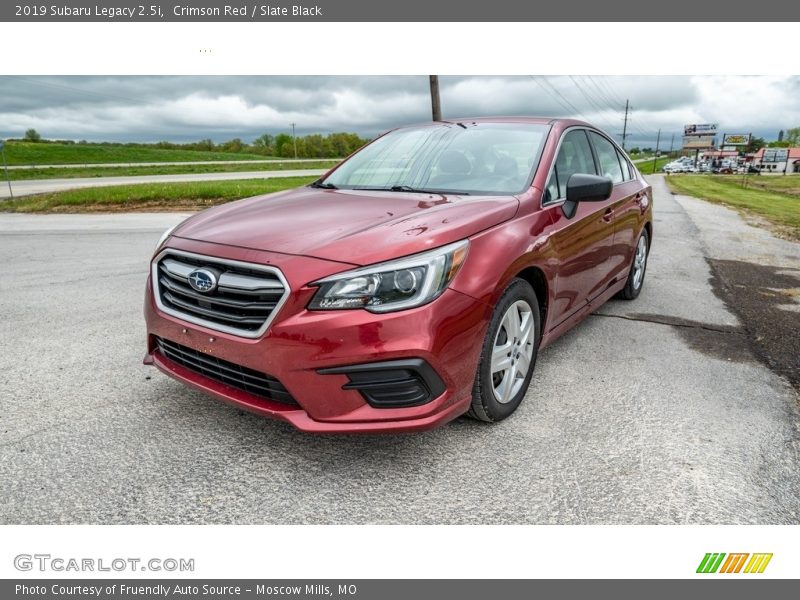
574,156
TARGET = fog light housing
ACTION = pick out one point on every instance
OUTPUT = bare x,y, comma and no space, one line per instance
392,384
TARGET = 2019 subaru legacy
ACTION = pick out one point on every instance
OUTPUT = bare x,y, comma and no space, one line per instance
411,284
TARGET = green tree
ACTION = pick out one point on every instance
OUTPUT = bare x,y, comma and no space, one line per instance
205,144
283,145
793,136
32,136
265,144
756,143
313,146
234,145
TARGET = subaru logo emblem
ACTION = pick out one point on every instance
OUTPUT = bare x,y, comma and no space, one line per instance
203,280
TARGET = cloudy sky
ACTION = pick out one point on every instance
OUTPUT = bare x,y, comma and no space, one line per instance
127,108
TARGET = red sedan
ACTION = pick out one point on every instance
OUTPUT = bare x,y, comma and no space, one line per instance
413,283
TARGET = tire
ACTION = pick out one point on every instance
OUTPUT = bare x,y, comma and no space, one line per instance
635,282
495,396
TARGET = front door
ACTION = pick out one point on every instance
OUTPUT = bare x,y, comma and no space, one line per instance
583,243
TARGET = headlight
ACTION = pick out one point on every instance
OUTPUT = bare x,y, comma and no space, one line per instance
395,285
164,237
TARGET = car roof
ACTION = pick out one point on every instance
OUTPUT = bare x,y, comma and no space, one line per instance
507,119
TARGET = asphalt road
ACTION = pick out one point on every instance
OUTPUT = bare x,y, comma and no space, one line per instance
26,187
652,411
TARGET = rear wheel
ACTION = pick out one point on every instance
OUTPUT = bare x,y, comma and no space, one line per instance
508,355
636,276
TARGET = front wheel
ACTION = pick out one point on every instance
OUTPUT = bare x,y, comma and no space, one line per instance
508,354
636,276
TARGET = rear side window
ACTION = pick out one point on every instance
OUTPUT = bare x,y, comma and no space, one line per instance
574,156
627,170
608,158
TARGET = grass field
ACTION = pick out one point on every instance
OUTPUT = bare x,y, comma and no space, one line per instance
28,153
776,199
646,167
151,196
75,172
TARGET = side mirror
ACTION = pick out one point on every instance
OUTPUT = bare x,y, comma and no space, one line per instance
582,187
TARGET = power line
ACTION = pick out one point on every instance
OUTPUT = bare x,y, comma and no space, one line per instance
610,102
592,102
571,110
600,101
611,92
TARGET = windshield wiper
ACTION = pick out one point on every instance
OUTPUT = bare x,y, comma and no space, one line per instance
408,188
324,186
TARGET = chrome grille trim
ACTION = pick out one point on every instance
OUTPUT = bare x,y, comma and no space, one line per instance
227,308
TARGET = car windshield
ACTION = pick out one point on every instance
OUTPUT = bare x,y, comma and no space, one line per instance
457,158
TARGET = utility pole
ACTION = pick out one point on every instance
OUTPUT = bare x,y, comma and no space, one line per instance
625,125
655,156
436,105
671,145
294,140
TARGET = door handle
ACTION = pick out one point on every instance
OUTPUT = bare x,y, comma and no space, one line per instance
608,215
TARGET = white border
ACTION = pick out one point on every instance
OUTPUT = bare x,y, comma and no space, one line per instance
371,552
397,48
403,48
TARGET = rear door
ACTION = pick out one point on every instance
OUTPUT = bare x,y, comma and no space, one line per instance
583,243
624,204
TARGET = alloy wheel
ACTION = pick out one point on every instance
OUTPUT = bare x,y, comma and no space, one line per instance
639,262
512,351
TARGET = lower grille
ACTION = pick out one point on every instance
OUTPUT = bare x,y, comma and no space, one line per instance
242,378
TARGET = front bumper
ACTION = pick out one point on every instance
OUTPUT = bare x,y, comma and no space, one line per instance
308,352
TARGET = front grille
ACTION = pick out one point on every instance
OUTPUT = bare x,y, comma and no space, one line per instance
237,376
243,303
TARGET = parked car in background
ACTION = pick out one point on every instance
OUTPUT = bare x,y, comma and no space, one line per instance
679,166
413,283
674,167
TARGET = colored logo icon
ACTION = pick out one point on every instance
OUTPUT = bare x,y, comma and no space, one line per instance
719,562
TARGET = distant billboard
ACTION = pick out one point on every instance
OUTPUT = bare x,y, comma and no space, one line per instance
700,129
698,142
736,139
773,155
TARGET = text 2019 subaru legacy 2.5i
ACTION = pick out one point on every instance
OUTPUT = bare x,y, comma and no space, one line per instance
412,284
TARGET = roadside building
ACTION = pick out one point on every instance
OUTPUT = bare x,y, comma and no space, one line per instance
777,160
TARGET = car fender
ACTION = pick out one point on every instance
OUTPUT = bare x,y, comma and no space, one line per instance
499,254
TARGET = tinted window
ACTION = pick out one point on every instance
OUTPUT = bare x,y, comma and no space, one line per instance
574,156
607,156
627,173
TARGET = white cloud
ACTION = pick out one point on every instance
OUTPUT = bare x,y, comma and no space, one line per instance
191,108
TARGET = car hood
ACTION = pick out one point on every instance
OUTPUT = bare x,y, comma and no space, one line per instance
351,226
